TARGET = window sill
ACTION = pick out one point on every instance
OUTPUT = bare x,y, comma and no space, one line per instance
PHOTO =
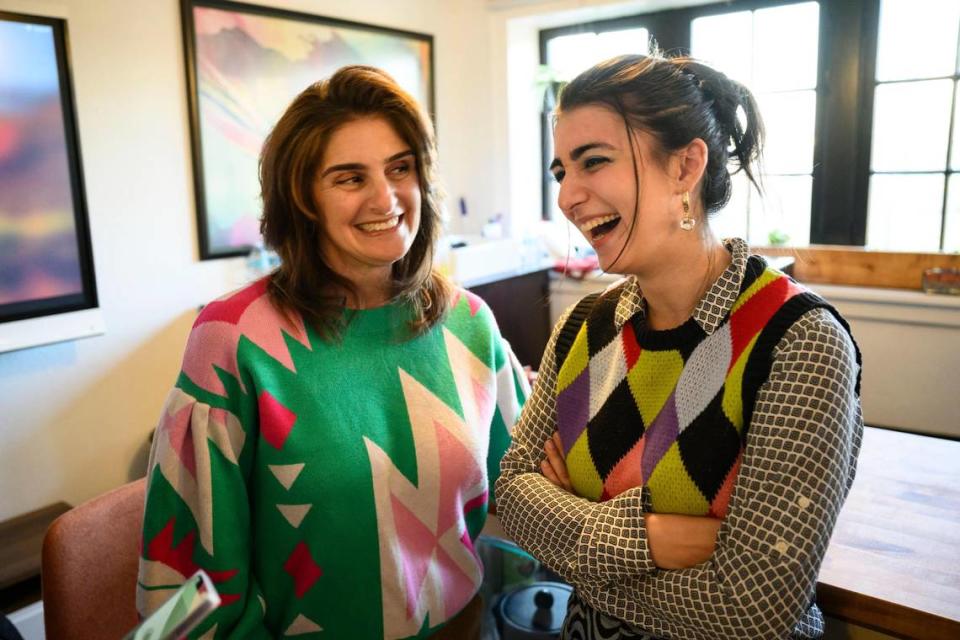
854,266
874,304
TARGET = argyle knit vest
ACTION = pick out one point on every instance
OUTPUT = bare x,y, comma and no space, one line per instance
669,410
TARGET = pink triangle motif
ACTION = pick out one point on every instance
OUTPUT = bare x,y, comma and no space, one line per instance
474,301
276,421
232,306
176,428
269,335
458,587
212,343
458,468
417,543
485,400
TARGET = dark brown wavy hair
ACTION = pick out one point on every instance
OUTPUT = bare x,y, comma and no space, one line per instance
291,222
676,100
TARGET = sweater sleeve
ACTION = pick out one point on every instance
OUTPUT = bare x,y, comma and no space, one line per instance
798,466
585,542
512,392
197,513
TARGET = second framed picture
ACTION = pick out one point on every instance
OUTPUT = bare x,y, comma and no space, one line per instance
245,63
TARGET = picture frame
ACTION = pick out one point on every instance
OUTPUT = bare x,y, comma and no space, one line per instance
48,290
245,63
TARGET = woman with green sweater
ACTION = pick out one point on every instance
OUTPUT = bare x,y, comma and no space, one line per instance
694,429
327,452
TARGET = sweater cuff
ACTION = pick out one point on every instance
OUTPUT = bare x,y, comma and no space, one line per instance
613,545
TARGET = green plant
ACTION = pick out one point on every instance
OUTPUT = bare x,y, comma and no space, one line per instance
777,238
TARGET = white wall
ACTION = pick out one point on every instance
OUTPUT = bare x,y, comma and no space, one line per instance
75,416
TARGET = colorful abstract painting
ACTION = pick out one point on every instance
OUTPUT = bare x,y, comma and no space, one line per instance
42,246
248,63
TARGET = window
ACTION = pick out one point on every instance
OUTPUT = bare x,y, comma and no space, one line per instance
772,51
914,194
861,99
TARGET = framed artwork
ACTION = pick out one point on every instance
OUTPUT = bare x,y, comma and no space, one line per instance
46,259
245,63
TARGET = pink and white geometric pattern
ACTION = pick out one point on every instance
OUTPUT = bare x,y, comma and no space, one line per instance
428,564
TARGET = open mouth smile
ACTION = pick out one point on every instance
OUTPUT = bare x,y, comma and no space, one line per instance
384,225
598,227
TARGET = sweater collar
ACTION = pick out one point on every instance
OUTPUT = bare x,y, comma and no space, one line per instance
712,308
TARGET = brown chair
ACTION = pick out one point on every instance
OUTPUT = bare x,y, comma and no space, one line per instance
89,567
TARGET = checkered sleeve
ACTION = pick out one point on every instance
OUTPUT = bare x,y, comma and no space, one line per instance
798,466
585,542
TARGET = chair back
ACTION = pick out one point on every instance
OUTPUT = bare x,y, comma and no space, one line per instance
89,567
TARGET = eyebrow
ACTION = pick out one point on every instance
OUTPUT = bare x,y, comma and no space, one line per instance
579,151
357,166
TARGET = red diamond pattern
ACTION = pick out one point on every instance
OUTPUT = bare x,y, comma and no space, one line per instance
301,566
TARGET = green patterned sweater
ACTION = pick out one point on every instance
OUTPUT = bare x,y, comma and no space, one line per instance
329,489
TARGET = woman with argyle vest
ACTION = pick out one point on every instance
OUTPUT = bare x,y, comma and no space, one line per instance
694,429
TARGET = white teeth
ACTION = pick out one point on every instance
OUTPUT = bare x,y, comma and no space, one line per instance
589,225
390,223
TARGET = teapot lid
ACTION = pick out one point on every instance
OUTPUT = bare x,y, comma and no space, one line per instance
538,607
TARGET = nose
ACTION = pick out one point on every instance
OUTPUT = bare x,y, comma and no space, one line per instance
572,194
383,197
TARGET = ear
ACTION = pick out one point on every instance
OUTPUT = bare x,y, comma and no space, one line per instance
692,162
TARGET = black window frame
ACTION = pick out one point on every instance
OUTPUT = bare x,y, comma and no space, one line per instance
846,70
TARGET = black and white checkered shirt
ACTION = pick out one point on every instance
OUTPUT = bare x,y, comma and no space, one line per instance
798,465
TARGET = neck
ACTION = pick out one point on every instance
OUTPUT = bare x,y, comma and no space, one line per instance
371,289
673,292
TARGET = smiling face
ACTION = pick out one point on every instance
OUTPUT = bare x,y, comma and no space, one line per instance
367,192
598,189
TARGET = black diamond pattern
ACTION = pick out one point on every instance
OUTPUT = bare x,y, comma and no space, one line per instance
614,430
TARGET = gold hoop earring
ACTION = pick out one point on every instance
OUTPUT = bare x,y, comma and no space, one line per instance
686,223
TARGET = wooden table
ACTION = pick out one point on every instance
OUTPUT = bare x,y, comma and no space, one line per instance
894,560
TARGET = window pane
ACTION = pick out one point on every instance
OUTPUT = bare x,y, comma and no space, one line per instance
566,54
790,120
951,236
552,195
917,39
955,149
725,42
911,121
572,54
553,187
785,47
616,43
784,210
731,221
904,211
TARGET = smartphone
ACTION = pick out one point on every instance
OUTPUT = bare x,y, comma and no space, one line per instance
182,613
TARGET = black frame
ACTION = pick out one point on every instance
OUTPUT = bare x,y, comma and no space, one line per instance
87,298
196,145
844,114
